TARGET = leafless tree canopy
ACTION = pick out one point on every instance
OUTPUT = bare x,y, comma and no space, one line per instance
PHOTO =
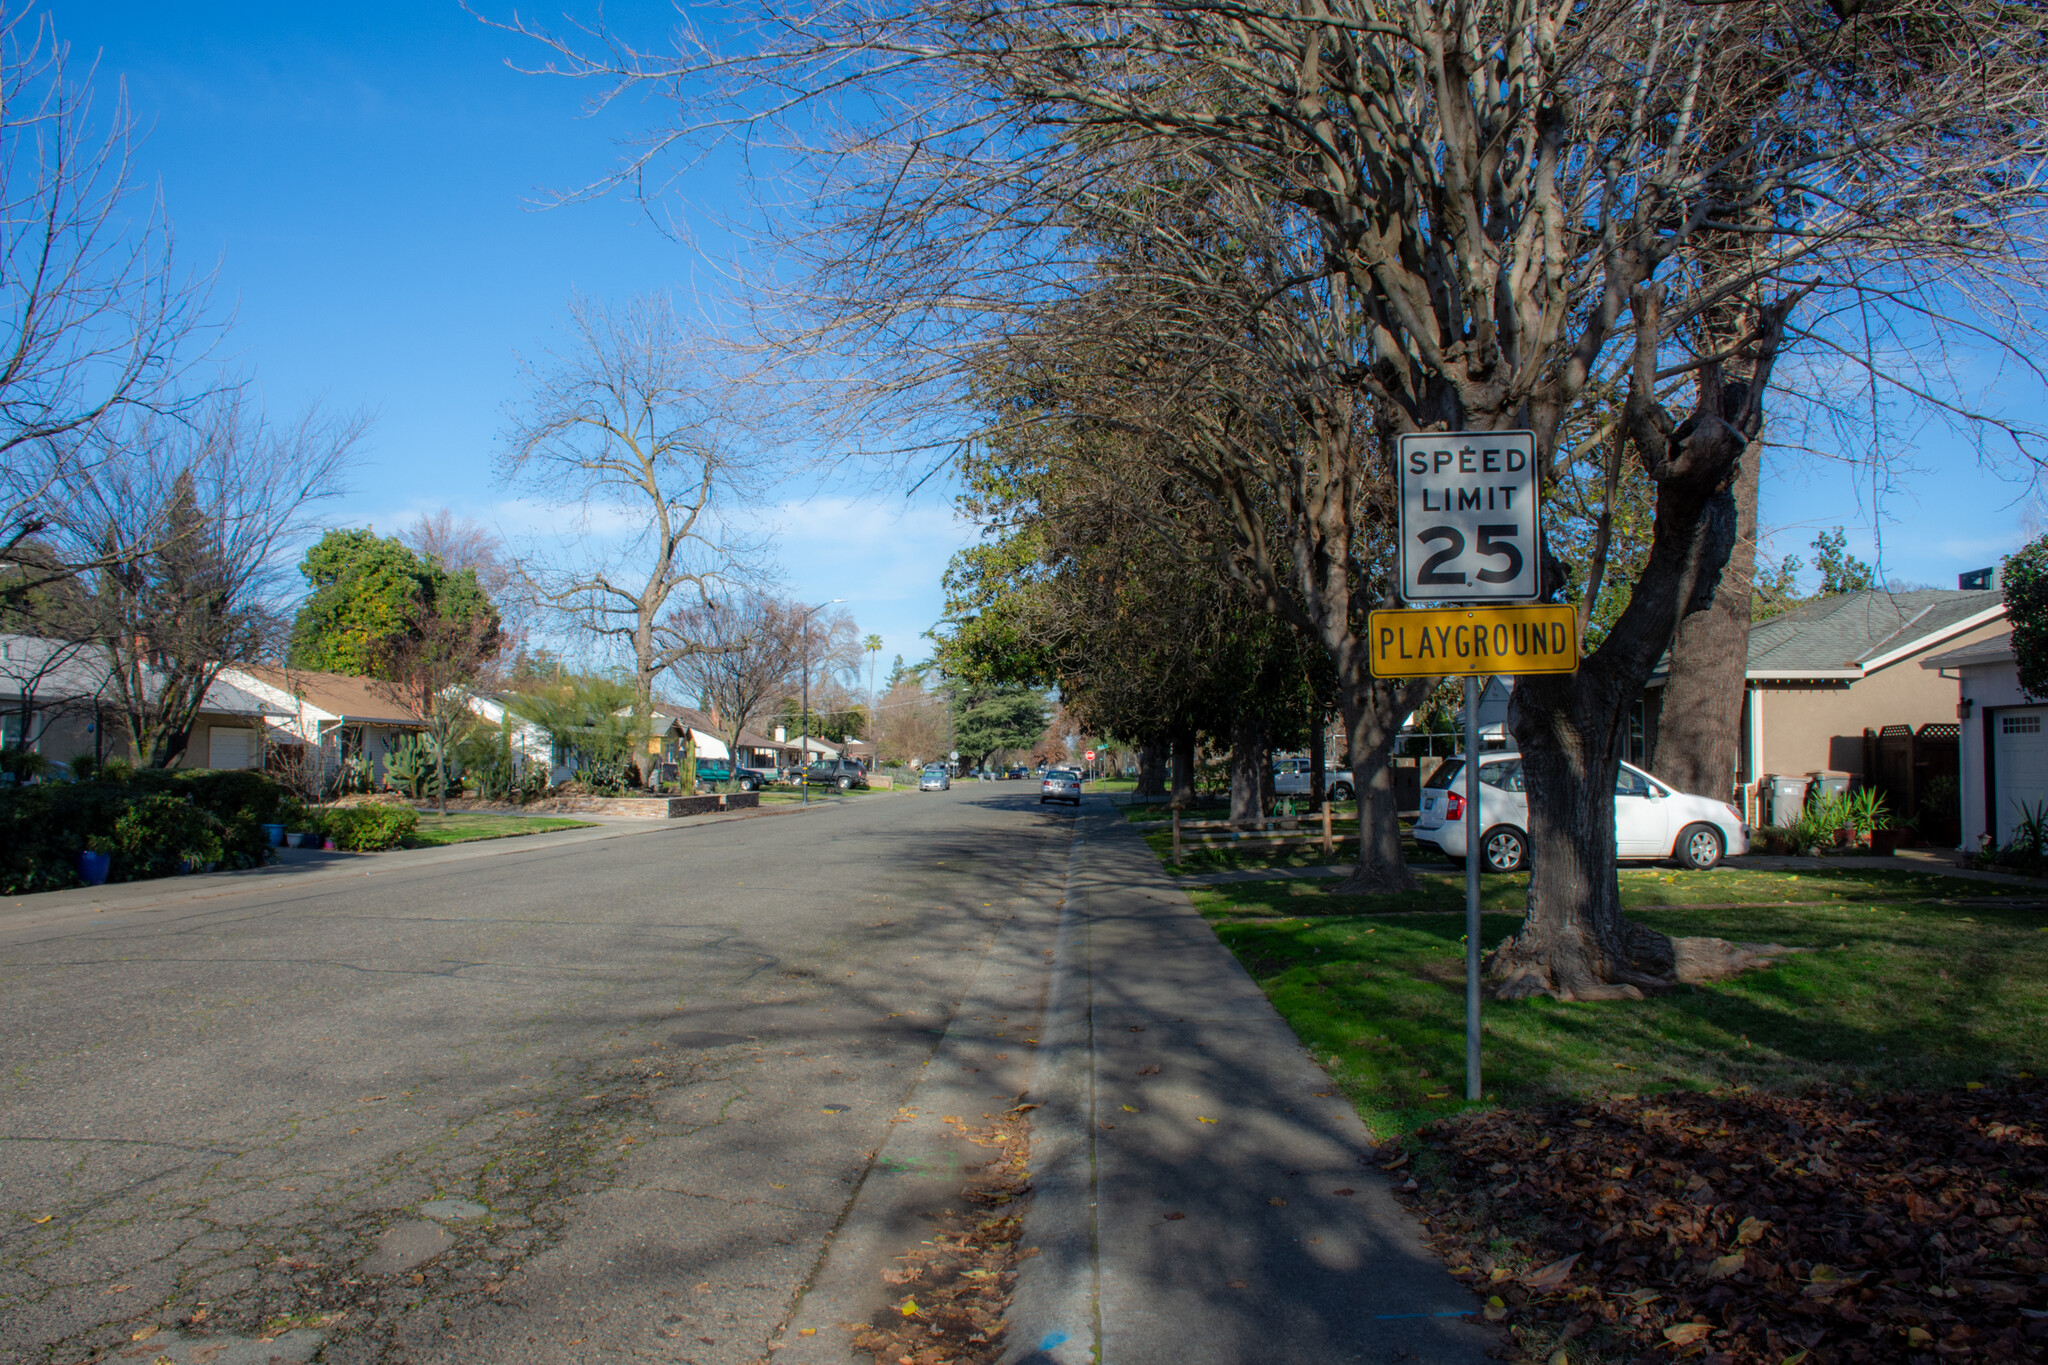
740,655
229,495
96,318
649,446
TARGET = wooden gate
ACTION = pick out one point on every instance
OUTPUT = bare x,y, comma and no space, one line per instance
1906,764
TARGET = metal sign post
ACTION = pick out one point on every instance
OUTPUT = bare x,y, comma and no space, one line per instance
1471,887
1470,535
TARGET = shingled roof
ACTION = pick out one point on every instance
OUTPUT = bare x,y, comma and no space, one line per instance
1846,635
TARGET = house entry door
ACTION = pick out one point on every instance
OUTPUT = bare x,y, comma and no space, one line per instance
2019,764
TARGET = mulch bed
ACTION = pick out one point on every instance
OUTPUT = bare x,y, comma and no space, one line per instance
949,1293
1744,1227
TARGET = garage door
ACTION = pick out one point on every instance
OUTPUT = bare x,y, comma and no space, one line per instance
2019,763
228,748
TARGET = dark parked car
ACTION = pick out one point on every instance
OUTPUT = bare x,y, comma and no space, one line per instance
718,770
1018,773
836,772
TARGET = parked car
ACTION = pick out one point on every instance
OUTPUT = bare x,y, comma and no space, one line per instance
1060,784
1291,775
936,777
842,773
1651,820
1016,772
719,770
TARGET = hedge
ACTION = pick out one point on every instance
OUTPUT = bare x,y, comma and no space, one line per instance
153,822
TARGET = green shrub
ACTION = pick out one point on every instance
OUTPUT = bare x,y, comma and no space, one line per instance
368,829
160,835
152,821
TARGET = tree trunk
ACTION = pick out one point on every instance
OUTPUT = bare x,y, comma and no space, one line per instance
1247,756
1699,735
1183,770
1151,771
1373,710
1575,943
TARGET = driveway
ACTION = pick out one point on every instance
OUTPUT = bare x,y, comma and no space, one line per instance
576,1101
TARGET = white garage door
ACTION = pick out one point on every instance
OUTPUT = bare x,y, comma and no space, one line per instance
2019,763
228,748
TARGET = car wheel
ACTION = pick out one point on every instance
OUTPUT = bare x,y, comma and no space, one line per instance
1504,849
1341,791
1700,847
749,784
845,784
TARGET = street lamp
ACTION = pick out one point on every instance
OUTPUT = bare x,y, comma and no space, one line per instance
804,753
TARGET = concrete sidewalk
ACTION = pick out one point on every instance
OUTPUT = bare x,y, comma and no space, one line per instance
1203,1195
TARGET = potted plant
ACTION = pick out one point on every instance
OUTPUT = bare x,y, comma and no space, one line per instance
1872,820
95,861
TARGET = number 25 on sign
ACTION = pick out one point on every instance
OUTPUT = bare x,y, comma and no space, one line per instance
1434,642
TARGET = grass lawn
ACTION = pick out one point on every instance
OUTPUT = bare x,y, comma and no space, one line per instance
1912,986
461,827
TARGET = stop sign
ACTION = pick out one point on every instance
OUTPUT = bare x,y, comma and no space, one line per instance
1089,755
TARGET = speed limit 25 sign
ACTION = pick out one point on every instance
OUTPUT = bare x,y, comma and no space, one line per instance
1468,517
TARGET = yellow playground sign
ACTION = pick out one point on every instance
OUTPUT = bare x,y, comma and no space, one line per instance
1429,642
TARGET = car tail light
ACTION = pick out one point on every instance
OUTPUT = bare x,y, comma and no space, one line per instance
1454,806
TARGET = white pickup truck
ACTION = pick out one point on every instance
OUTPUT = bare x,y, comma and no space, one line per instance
1290,778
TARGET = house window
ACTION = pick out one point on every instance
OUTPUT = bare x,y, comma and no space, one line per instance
2021,725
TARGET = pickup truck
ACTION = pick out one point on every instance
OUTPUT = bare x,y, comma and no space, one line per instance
1290,778
719,770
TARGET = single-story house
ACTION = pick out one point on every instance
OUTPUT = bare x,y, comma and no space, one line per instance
2003,763
56,699
337,715
1827,679
529,741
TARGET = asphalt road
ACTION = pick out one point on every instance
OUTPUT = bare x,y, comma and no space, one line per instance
651,1073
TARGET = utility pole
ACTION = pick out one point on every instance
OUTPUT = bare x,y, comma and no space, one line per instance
803,769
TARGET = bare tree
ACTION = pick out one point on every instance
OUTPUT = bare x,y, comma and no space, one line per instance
638,429
230,495
458,543
426,666
95,315
1532,206
739,654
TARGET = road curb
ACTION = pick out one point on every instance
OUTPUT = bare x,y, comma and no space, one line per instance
1054,1316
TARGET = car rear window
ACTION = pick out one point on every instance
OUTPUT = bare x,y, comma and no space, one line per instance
1445,775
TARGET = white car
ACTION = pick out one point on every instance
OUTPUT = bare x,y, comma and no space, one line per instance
1651,820
936,777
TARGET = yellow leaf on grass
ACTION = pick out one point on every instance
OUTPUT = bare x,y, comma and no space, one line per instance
1686,1333
1200,1119
1130,1109
144,1334
807,1332
44,1219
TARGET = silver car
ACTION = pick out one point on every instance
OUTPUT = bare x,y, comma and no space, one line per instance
936,777
1651,820
1060,784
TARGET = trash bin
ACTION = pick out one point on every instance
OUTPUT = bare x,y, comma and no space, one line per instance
1788,798
1827,782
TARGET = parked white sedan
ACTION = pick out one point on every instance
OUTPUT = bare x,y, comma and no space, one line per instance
1651,820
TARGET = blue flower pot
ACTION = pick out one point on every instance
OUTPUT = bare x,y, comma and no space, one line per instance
94,867
275,834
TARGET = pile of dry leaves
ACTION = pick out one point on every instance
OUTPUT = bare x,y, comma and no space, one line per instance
1744,1227
954,1288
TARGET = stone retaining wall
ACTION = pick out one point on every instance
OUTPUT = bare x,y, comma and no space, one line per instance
651,807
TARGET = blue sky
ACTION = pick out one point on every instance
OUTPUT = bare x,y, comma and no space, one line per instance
366,177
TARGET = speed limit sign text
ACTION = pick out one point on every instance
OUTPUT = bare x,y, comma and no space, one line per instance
1468,517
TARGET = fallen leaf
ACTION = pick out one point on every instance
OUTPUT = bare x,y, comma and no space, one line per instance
1496,1308
1175,1217
44,1219
1277,1202
1751,1231
144,1334
1130,1109
807,1331
1396,1164
1200,1119
1346,1192
1686,1333
1723,1266
1235,1284
909,1308
1550,1276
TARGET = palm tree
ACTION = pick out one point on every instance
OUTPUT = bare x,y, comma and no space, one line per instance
873,645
